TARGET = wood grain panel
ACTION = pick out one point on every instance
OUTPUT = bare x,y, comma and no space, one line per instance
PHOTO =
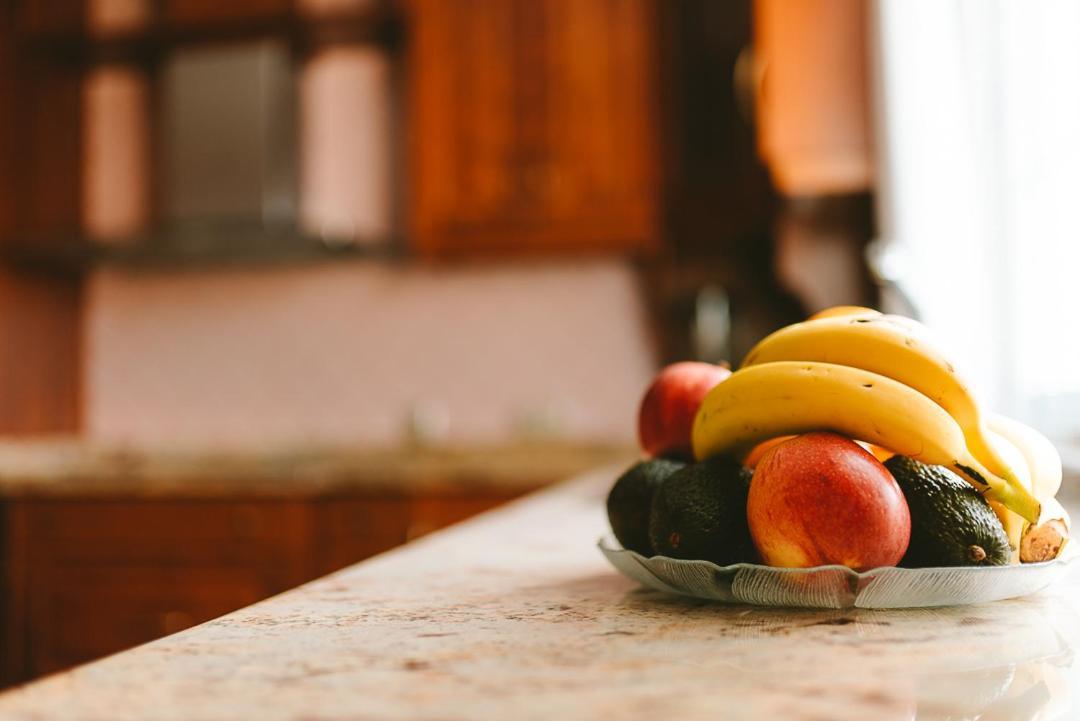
430,513
83,612
532,126
39,353
50,142
87,577
40,201
197,13
51,17
95,576
14,635
173,531
349,530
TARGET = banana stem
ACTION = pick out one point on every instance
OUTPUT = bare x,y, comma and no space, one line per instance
1014,497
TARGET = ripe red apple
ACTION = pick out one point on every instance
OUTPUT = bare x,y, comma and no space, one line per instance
821,499
666,416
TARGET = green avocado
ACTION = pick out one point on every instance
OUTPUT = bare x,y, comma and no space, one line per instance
951,523
700,513
630,502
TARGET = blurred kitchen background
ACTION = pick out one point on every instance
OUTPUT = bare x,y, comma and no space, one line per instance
286,283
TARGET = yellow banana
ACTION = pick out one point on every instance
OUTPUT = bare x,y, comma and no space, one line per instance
1016,460
1052,509
898,348
787,397
1040,456
844,310
1044,465
1013,524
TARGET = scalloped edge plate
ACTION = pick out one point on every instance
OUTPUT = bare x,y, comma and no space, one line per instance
835,586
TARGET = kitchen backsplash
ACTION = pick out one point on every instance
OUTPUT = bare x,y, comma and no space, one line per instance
364,353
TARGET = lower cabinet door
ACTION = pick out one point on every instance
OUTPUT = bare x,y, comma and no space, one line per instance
84,578
77,614
95,576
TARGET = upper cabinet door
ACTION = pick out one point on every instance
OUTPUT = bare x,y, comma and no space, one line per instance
203,14
532,126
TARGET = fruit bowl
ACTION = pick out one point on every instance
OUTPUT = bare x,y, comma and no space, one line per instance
835,586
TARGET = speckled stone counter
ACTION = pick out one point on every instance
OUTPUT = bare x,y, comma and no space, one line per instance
515,615
66,468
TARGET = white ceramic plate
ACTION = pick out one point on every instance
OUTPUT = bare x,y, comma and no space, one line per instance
835,586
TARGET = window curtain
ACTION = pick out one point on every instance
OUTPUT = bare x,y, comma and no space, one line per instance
978,123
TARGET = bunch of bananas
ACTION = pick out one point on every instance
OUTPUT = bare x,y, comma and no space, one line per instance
879,378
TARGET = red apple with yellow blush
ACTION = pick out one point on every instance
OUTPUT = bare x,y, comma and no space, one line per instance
821,499
666,415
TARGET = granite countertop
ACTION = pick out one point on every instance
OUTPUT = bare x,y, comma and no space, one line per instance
516,615
51,468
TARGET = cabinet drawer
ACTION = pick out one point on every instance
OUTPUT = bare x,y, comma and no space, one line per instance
430,513
349,530
165,531
91,577
80,613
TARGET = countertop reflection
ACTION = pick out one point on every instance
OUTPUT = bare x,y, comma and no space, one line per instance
516,615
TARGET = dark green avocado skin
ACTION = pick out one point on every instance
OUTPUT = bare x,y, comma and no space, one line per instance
630,502
700,513
949,518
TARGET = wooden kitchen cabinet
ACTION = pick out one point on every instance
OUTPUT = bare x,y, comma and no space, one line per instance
203,13
71,17
82,578
93,576
430,513
532,126
44,17
81,612
349,529
40,198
